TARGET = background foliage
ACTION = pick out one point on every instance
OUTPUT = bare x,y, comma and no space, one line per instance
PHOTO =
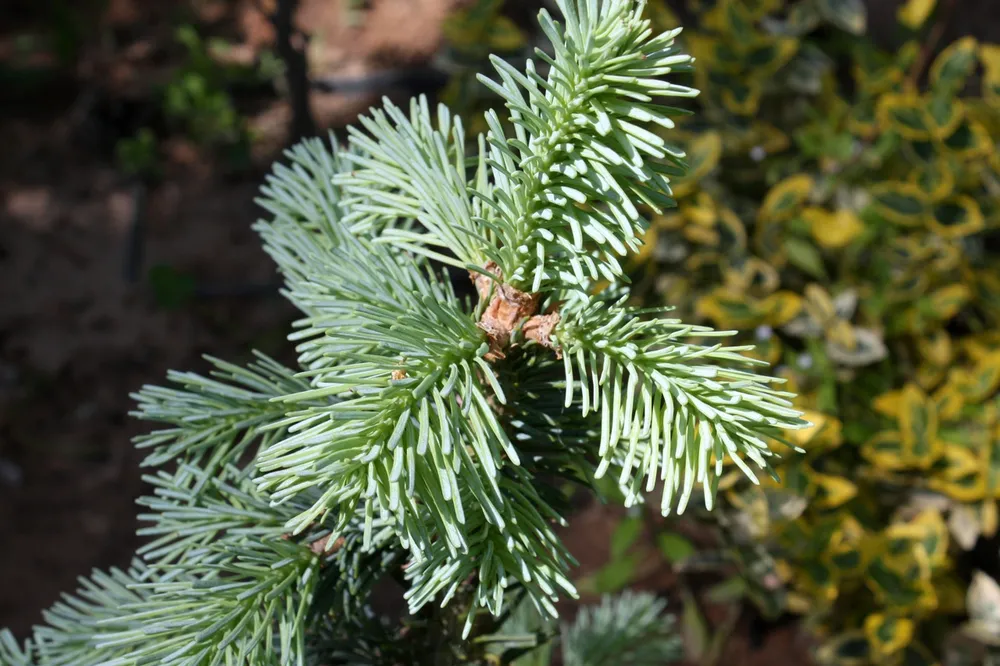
842,209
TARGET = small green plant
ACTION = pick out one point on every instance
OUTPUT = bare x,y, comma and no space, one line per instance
426,438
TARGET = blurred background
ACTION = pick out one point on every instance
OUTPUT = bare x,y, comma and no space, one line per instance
842,211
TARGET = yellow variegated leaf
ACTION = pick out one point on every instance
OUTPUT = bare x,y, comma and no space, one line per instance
927,530
989,512
989,56
948,400
785,198
731,309
767,137
956,217
969,140
833,230
703,153
887,634
936,348
862,119
953,65
982,380
649,242
818,304
823,435
832,491
848,649
877,80
898,202
947,301
936,179
742,96
904,582
699,235
914,12
889,403
765,57
768,240
885,451
928,376
918,425
781,307
755,276
699,209
905,114
847,551
961,478
945,113
734,234
981,345
841,333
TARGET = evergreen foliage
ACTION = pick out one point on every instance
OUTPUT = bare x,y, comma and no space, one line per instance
427,437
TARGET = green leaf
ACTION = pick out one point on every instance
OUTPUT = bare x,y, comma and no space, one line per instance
803,255
675,547
625,535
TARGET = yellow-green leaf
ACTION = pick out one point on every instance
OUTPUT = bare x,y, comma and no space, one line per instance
981,381
785,198
832,491
970,139
887,634
944,303
956,217
885,451
898,202
833,230
905,113
914,12
953,65
918,425
703,153
944,113
935,178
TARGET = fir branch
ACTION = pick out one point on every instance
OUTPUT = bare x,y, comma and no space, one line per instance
14,654
582,155
412,416
630,629
189,510
406,168
247,604
668,414
216,419
69,637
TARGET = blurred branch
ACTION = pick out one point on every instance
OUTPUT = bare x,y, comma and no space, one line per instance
933,37
291,47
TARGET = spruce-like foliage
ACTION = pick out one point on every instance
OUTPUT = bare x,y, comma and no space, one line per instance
426,437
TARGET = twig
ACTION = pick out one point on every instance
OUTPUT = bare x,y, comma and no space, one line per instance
296,68
933,37
136,232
